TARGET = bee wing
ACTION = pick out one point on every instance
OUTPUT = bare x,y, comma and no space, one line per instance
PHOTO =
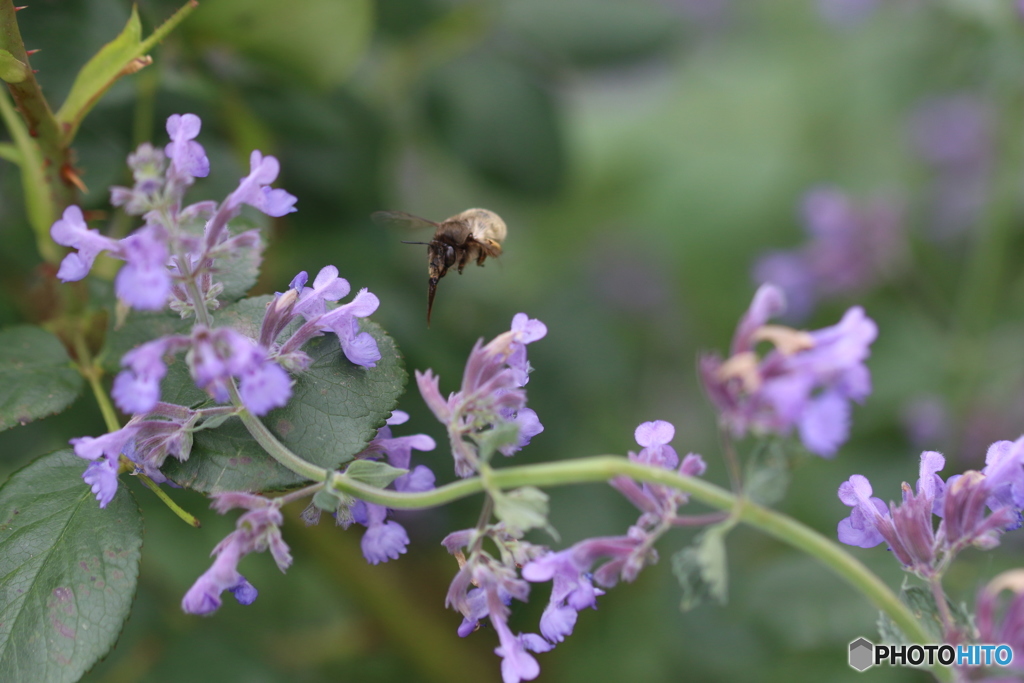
401,219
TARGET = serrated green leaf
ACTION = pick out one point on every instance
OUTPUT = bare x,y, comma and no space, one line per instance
12,69
238,271
922,603
36,376
374,472
701,568
522,509
68,571
335,410
122,56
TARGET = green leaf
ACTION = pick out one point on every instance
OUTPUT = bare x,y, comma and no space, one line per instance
12,69
68,571
491,440
922,603
522,509
767,475
120,57
318,42
374,473
36,375
238,271
701,568
335,410
139,328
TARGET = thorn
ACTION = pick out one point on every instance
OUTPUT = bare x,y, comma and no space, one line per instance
35,71
32,52
18,9
71,176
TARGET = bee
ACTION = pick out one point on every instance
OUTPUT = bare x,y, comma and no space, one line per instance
471,235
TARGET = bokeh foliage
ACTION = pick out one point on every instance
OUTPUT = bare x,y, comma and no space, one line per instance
643,152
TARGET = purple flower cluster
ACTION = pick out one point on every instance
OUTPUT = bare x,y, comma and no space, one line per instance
960,503
173,259
491,398
805,382
256,530
852,247
484,586
386,539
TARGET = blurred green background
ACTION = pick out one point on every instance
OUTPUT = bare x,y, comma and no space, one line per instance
643,154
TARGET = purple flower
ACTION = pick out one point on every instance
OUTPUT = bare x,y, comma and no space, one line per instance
263,387
384,539
358,347
218,355
253,190
961,503
101,476
188,158
571,591
144,282
658,503
491,395
71,231
137,389
806,382
256,530
326,287
105,453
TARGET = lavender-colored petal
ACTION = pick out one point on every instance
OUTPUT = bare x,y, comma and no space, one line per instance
655,433
421,478
557,622
825,424
144,282
265,388
101,476
428,386
245,593
71,231
385,541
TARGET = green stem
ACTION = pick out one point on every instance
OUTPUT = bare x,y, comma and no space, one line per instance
604,467
175,508
275,448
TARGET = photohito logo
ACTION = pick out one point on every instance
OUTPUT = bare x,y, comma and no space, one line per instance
865,654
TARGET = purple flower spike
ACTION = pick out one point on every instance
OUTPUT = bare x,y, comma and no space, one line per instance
144,282
71,231
187,156
253,190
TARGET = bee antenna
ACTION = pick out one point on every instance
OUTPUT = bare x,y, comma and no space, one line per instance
424,243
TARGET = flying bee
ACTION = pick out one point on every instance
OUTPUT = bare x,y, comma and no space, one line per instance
471,235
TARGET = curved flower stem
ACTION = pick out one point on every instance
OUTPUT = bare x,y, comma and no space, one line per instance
275,448
175,508
604,467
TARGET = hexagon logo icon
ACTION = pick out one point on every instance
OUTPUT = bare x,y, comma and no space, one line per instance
861,654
